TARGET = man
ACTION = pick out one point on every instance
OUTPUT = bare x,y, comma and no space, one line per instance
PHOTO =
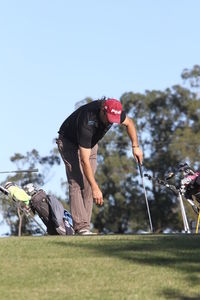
77,144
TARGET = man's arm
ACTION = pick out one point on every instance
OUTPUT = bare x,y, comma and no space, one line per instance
87,169
132,133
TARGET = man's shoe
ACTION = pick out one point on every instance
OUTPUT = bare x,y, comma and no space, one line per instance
85,232
61,230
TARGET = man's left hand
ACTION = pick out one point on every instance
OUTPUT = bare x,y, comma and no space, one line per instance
138,154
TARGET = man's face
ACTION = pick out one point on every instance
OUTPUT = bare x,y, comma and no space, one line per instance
103,117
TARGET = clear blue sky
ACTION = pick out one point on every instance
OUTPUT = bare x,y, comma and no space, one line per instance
55,53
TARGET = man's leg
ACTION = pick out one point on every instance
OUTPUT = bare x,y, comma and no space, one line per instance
87,191
70,156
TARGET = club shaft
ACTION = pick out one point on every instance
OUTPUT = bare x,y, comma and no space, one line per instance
20,171
3,190
184,217
147,204
33,218
145,195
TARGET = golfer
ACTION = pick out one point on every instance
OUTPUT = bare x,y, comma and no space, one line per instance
77,143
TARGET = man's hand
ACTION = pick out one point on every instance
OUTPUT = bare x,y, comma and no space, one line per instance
97,196
138,154
87,169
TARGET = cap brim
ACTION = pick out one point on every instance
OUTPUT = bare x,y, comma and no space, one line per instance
113,118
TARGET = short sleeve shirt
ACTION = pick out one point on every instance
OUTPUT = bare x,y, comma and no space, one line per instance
84,127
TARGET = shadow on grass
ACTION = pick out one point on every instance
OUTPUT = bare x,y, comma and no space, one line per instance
178,252
172,294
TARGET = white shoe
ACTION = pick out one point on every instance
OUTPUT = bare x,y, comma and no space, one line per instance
85,232
61,230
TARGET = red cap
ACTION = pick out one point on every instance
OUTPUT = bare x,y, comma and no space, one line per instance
113,110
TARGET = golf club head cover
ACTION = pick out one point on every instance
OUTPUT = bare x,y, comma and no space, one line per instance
18,194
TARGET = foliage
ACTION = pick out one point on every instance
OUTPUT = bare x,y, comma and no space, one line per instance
168,125
192,75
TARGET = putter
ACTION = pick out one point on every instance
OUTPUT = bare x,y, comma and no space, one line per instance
145,195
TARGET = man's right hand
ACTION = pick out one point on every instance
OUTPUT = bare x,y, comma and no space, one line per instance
87,169
97,196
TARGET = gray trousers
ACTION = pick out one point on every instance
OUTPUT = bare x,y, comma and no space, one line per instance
80,193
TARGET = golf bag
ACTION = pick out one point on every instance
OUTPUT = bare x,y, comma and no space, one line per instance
51,211
57,220
188,187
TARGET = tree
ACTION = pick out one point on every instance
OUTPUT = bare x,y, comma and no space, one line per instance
193,75
168,124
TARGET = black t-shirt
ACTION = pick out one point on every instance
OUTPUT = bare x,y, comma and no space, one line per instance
84,127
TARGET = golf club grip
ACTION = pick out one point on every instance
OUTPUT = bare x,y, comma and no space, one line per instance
140,169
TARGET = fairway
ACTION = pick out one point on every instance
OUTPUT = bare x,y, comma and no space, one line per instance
100,267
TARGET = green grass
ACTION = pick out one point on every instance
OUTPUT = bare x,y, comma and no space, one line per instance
101,267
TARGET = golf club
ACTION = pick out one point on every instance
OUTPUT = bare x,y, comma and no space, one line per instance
20,171
183,213
178,194
145,195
